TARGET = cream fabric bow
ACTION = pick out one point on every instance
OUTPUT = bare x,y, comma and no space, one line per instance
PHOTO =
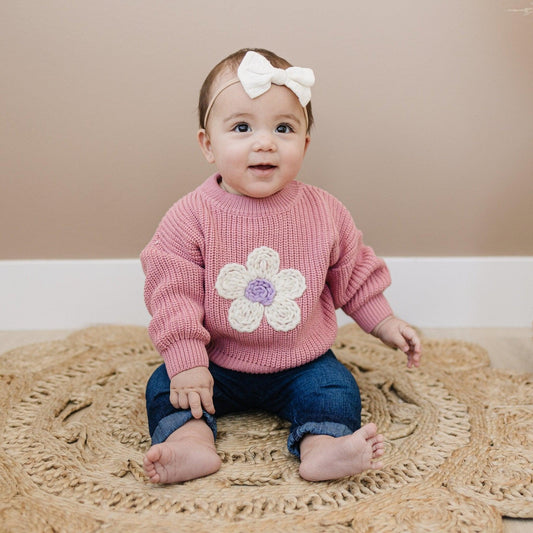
256,75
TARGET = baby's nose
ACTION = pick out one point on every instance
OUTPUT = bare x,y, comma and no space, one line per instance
265,141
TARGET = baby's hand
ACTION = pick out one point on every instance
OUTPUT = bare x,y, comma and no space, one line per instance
398,334
193,389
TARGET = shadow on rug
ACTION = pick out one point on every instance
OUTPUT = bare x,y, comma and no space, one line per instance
459,446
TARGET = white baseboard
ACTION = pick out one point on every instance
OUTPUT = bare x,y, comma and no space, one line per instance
71,294
428,292
455,292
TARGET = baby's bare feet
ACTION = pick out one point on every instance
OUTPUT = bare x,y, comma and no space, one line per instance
181,458
324,457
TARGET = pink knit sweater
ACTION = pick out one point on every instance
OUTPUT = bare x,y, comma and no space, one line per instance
253,284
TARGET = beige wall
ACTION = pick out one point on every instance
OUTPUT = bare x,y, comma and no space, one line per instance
424,117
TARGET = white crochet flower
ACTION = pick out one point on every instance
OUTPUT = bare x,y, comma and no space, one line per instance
261,289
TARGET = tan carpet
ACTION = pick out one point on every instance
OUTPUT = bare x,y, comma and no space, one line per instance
459,446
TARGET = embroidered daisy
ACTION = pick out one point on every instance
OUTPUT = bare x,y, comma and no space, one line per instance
261,289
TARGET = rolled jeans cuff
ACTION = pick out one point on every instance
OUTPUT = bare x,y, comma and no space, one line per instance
333,429
174,421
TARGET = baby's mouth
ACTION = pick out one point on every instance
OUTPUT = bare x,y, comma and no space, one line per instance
263,167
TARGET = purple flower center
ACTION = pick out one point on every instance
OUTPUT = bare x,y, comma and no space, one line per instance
261,291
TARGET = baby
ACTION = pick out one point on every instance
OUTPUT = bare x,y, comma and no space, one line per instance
243,276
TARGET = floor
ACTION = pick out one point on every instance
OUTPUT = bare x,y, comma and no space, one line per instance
509,348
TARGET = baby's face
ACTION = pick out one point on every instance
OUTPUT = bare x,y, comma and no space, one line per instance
258,145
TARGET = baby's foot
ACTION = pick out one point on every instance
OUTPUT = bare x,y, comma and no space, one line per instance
174,461
324,457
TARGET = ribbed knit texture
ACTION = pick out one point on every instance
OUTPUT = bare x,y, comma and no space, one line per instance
209,228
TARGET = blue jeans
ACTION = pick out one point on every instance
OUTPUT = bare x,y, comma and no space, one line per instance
319,398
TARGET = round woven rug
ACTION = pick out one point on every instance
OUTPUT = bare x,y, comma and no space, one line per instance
73,431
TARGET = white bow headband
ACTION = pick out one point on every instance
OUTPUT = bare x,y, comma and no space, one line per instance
256,75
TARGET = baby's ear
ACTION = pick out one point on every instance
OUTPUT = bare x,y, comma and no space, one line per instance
307,141
205,145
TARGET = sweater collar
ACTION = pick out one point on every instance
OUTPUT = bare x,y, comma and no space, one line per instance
277,203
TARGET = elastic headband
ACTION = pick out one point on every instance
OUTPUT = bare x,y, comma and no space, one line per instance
256,75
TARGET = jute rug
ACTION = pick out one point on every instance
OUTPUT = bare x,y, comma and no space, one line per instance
459,446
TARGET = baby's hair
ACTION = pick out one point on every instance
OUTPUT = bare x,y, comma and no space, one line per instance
232,63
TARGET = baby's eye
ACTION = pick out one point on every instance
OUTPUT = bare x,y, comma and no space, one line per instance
284,128
242,127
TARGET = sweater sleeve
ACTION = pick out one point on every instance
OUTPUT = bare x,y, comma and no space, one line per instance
174,294
356,277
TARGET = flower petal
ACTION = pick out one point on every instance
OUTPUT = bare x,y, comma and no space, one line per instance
232,281
289,283
263,262
244,315
283,315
